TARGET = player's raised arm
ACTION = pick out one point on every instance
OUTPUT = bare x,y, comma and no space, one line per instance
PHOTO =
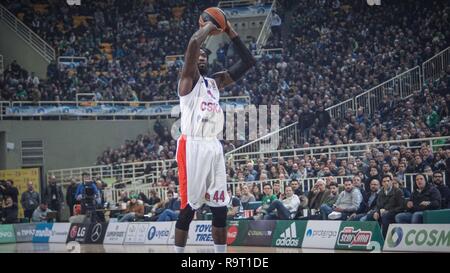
190,73
237,70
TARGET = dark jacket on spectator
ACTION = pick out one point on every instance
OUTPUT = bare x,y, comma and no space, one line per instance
11,213
30,200
71,198
365,206
324,118
392,201
317,199
13,192
173,204
445,195
429,193
54,204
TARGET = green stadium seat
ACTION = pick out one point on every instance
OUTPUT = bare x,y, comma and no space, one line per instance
436,216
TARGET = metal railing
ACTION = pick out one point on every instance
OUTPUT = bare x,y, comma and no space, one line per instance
341,151
270,51
30,37
239,3
399,87
341,109
4,105
64,60
114,194
120,172
288,134
432,68
265,30
306,184
344,151
171,59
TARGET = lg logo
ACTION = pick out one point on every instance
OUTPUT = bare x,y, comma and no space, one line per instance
374,2
73,2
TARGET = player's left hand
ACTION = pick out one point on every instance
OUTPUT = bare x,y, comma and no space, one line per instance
230,31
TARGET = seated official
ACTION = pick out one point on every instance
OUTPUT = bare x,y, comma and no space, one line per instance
40,213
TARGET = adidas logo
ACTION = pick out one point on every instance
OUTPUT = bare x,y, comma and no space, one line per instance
288,237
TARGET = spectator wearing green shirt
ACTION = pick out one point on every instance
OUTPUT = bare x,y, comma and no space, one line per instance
267,199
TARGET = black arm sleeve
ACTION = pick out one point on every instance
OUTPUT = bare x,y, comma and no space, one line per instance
247,60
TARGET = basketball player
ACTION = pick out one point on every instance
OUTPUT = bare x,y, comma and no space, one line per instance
201,163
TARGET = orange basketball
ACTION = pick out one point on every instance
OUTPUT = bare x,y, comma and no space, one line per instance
216,16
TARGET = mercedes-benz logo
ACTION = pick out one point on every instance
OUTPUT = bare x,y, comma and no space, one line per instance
96,232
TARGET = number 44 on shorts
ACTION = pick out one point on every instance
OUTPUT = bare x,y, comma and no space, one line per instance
216,196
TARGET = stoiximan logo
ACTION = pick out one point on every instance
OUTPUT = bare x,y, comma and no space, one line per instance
395,237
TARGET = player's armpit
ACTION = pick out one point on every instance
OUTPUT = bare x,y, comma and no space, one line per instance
223,79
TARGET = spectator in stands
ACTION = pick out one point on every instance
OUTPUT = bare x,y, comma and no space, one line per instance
370,203
444,190
54,197
154,198
317,195
10,190
373,174
30,200
425,197
347,203
296,174
246,196
172,208
256,193
134,211
356,180
296,187
418,166
276,189
389,203
234,207
285,209
10,211
386,168
251,172
400,174
275,25
123,197
266,200
40,213
71,198
400,185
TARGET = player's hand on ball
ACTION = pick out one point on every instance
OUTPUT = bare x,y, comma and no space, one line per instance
230,31
209,25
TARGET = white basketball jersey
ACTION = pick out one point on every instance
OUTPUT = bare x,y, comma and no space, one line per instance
201,114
